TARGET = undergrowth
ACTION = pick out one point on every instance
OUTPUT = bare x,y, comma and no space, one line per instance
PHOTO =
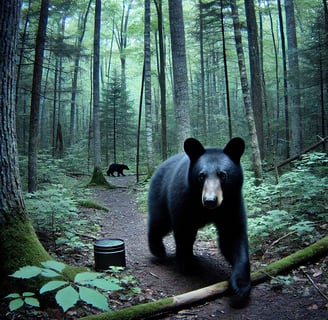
296,207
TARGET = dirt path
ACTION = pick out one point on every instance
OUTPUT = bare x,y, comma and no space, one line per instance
161,279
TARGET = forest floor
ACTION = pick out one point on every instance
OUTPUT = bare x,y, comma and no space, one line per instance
298,299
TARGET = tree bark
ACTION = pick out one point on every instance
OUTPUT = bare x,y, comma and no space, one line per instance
284,67
257,164
293,80
35,99
81,27
97,176
255,72
148,106
180,77
18,242
173,304
162,79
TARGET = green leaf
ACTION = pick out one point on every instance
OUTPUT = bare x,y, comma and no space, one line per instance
32,302
52,285
13,295
55,265
27,272
86,276
16,304
48,273
105,284
93,297
67,297
28,294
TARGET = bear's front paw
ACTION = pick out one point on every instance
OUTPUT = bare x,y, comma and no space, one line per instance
240,292
157,249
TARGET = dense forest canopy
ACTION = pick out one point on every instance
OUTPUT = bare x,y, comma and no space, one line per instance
214,86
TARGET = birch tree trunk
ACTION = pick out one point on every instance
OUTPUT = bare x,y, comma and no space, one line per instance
257,164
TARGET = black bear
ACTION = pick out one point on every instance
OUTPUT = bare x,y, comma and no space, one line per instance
192,189
116,167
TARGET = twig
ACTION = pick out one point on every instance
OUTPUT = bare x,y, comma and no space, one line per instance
283,237
314,284
154,275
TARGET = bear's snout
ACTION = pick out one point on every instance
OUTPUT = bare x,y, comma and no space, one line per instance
212,196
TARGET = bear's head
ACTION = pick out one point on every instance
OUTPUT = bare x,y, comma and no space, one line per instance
215,173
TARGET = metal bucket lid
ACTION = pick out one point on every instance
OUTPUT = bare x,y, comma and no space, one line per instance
109,243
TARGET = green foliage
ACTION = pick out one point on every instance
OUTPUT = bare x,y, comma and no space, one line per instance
19,300
53,209
297,205
89,287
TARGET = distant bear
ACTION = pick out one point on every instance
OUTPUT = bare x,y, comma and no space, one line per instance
198,187
115,167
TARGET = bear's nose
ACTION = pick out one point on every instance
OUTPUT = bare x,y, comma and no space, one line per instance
210,202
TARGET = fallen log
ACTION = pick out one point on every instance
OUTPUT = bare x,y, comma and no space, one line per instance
179,302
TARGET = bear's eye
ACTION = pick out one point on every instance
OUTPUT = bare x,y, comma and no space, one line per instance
202,176
222,175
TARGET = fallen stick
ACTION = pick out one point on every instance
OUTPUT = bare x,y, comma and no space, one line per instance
173,304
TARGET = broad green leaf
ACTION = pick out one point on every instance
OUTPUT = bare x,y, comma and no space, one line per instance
15,304
13,295
48,273
27,272
28,294
32,302
105,284
86,276
94,297
52,285
55,265
67,297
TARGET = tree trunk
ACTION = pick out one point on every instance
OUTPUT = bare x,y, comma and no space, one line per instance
19,245
97,176
35,99
284,66
182,301
293,79
161,77
148,107
225,62
202,112
180,78
82,27
244,84
255,72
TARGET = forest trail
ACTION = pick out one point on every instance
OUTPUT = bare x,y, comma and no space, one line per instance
161,279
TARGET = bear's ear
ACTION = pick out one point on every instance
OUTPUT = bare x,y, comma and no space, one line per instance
193,148
235,149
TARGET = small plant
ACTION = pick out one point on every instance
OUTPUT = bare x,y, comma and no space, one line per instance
19,300
86,287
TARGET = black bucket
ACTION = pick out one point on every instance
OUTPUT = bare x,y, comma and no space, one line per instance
109,252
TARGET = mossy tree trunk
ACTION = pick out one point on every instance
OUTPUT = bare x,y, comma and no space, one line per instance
19,244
